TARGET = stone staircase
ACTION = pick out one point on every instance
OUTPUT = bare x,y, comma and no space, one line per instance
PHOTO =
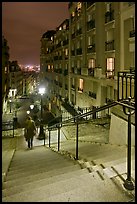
43,175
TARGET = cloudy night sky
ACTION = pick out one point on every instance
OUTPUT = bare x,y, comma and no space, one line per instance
24,23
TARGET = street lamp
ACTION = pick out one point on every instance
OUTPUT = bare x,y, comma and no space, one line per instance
41,133
31,107
28,112
10,105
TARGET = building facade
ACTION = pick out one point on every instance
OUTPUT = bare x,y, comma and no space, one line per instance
81,59
5,73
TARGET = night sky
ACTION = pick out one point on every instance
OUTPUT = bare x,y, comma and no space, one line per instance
24,23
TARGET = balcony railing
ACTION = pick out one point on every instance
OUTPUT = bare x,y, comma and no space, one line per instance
58,45
91,71
79,31
91,48
132,33
73,86
92,94
109,16
109,45
65,42
79,51
73,36
91,24
110,74
80,90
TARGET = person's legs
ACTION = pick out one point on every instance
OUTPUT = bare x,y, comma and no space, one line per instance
31,142
28,143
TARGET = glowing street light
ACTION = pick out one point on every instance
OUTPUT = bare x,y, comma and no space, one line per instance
31,107
28,112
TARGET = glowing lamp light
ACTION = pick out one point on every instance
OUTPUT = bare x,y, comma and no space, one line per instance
41,90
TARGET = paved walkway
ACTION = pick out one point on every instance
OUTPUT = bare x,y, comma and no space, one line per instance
94,150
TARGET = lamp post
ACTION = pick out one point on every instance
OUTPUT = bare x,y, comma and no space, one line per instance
41,135
10,105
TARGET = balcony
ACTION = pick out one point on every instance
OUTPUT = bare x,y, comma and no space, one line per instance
110,74
58,45
109,45
79,32
109,16
132,33
79,51
92,94
80,90
65,42
91,71
91,48
73,36
73,86
90,24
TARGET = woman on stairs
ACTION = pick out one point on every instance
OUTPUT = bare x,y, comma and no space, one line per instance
30,131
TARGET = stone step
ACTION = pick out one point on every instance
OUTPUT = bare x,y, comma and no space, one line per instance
40,175
47,190
89,187
40,168
43,181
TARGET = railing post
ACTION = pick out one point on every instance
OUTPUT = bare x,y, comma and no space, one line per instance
13,128
44,136
128,184
58,137
49,137
76,139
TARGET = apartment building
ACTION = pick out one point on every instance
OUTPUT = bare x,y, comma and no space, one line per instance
16,78
81,59
5,73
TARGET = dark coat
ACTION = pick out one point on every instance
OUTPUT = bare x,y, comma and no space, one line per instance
30,129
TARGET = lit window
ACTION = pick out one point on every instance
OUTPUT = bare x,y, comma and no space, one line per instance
80,88
66,52
110,67
91,63
6,69
73,14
